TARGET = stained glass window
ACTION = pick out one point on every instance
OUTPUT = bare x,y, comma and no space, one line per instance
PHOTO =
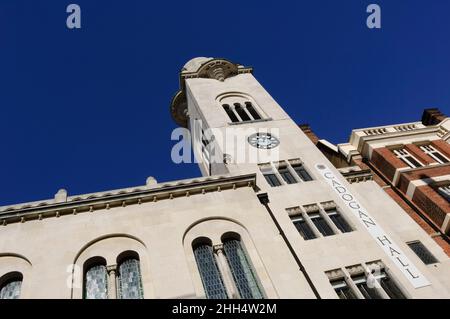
96,283
209,273
11,290
129,281
241,270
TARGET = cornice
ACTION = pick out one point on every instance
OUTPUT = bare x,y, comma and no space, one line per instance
137,197
388,135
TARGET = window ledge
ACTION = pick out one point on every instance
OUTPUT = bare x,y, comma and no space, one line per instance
250,122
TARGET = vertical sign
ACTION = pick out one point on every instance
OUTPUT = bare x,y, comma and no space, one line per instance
379,235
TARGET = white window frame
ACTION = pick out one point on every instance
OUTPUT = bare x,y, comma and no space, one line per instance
402,154
431,150
444,190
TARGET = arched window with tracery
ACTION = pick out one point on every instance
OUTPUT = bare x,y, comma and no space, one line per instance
95,279
225,269
129,276
209,271
241,269
10,285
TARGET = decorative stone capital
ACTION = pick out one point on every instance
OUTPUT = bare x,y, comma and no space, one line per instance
111,269
207,68
218,248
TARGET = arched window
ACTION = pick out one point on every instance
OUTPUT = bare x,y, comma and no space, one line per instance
209,272
10,285
230,113
95,279
225,269
129,276
241,269
242,114
252,111
240,107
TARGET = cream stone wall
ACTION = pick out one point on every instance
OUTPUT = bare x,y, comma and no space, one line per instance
161,233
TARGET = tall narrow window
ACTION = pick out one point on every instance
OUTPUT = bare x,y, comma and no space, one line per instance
209,272
129,279
343,290
389,286
367,291
301,172
407,158
230,113
287,176
241,270
272,179
243,115
252,111
321,224
96,280
10,286
303,228
445,192
339,221
435,154
422,252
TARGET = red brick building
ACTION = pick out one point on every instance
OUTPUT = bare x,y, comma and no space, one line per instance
411,162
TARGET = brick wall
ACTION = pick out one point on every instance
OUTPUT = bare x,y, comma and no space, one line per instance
419,220
384,160
433,204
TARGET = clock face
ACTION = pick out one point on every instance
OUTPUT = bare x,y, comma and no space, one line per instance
263,140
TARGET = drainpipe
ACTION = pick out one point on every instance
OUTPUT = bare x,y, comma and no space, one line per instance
264,200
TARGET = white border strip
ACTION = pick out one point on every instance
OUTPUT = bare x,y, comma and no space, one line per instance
422,182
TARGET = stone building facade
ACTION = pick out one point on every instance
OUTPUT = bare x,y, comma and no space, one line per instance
410,162
286,224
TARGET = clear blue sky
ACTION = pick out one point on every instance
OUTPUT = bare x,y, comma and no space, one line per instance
88,110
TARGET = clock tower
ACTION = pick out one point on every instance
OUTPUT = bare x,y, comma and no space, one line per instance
236,126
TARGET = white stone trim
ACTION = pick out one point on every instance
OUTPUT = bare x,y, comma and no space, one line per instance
446,224
422,182
397,174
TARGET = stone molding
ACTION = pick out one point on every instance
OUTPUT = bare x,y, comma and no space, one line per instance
195,187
